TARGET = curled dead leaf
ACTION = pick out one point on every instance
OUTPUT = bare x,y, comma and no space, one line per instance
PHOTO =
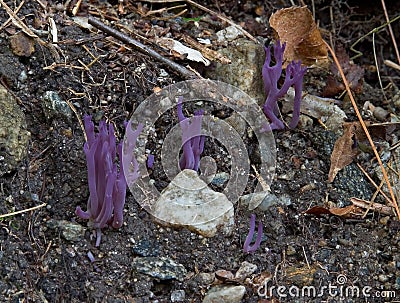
296,27
377,207
348,212
354,75
343,152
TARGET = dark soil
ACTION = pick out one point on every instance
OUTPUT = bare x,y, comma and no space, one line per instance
38,264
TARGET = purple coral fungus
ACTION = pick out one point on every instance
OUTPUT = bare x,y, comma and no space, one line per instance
271,75
246,247
107,184
192,140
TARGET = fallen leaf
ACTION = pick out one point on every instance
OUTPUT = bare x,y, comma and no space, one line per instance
347,212
377,207
296,27
317,210
343,152
354,75
350,211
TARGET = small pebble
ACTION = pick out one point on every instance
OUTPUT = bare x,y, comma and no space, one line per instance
178,296
383,278
380,113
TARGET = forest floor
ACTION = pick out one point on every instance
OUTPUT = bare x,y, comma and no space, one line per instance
108,79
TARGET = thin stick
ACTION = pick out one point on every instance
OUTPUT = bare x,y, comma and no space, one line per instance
18,22
392,64
186,73
377,66
10,19
247,34
375,30
378,158
22,211
391,31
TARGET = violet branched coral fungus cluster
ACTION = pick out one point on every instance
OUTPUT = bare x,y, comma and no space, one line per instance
271,75
107,184
192,140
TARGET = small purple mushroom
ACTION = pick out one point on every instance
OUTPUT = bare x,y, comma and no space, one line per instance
150,161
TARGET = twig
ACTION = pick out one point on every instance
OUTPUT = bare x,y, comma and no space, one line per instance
10,19
142,48
76,7
374,30
391,31
22,211
246,33
18,22
392,64
78,117
371,142
377,66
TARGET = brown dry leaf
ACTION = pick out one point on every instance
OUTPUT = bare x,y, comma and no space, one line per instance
317,211
377,207
343,152
296,27
354,75
351,211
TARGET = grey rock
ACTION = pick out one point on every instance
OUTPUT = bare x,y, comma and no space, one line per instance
54,106
225,294
228,34
178,296
220,179
188,202
238,123
245,270
14,135
69,230
162,268
244,71
205,278
146,248
263,200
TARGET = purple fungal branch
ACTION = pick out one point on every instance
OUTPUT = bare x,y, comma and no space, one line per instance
150,161
271,75
246,247
107,184
192,140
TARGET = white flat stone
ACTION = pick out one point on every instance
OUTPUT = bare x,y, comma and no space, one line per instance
188,202
225,294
